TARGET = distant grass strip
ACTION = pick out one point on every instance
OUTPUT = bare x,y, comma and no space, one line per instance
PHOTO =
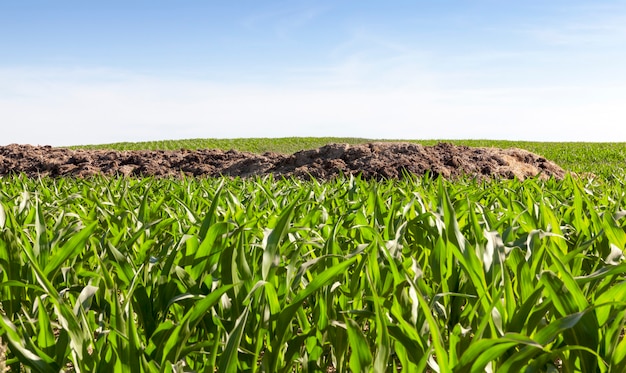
254,145
602,159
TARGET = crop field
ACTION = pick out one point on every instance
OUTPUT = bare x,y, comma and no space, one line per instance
349,275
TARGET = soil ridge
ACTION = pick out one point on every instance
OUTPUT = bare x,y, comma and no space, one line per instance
376,160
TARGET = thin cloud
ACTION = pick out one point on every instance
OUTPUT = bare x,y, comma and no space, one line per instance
602,34
283,20
589,25
109,109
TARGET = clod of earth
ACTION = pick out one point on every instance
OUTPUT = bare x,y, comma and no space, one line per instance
373,161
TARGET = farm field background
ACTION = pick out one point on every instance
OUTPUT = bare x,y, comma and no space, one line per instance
123,274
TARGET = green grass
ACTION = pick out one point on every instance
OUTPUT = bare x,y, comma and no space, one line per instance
158,275
254,145
602,159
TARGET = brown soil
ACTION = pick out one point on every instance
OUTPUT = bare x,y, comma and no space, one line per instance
372,161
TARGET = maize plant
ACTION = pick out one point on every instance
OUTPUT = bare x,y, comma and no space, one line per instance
264,275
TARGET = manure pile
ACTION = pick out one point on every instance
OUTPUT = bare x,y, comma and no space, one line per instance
372,161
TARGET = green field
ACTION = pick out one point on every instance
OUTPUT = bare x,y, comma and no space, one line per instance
269,275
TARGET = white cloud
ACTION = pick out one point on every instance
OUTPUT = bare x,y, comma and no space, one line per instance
83,107
582,26
283,19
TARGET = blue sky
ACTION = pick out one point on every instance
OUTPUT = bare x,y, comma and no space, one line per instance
85,72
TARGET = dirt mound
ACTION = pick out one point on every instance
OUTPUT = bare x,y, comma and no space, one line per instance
372,161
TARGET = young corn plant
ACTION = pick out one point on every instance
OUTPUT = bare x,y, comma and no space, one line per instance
264,275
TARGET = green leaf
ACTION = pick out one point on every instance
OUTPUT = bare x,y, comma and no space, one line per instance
41,364
286,315
45,337
383,343
178,339
41,246
228,361
543,337
270,250
84,298
135,353
360,357
72,248
614,232
435,333
209,218
484,351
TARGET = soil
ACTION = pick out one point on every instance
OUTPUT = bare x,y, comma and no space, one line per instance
372,161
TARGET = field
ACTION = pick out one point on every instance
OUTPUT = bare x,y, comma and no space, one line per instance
281,275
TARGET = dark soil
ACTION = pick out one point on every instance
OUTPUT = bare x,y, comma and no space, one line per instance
372,161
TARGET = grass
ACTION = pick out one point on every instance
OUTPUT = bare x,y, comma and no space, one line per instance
254,145
155,275
602,159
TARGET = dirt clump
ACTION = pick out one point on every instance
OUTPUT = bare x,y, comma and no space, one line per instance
373,161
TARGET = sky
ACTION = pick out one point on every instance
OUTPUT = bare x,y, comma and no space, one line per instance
93,72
